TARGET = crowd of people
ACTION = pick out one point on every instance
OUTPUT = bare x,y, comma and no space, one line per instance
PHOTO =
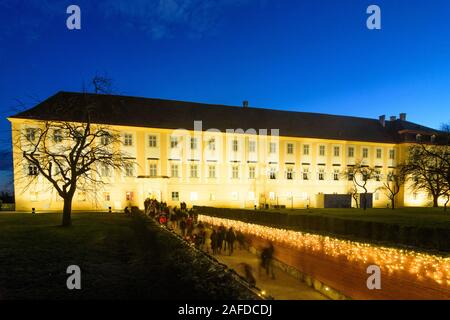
222,240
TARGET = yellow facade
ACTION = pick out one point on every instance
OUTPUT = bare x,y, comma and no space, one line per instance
222,169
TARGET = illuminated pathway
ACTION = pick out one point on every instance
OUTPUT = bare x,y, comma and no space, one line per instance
342,264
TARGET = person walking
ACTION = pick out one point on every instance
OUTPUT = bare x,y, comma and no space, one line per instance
230,239
221,239
183,227
214,241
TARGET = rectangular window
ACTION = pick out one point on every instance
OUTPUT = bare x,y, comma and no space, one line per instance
173,142
107,196
152,141
193,196
105,170
105,139
351,152
350,174
128,140
379,153
322,151
290,173
194,171
251,196
251,173
305,173
32,170
129,170
336,174
272,195
272,147
153,170
193,143
336,151
129,196
272,173
365,153
235,172
175,196
212,144
306,149
290,148
377,174
212,172
252,146
235,145
321,175
57,136
174,171
392,154
30,134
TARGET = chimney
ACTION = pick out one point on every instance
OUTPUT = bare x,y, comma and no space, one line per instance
245,104
403,116
393,118
382,120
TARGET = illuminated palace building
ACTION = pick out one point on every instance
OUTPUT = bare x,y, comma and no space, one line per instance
225,156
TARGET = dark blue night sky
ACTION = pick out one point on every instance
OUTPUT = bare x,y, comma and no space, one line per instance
308,55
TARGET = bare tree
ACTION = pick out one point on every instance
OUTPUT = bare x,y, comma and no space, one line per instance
102,84
427,168
360,175
393,184
71,156
353,191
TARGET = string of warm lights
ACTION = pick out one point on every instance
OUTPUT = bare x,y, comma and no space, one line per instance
421,265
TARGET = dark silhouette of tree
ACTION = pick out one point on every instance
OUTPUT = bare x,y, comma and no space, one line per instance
394,183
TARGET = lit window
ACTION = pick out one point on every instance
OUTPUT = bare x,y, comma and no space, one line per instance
107,196
173,142
235,145
194,171
272,195
105,139
290,148
321,173
350,174
129,196
251,172
30,134
175,196
365,153
212,144
174,171
336,174
252,146
306,149
152,141
251,196
272,147
392,154
290,173
305,173
193,143
193,196
377,174
32,170
212,172
128,140
129,170
272,173
105,170
351,152
322,151
153,170
57,136
235,172
379,152
336,151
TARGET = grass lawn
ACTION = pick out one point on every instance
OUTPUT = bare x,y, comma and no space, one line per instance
120,258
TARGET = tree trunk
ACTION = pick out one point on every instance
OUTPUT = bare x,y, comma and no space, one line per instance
435,201
67,211
393,203
365,202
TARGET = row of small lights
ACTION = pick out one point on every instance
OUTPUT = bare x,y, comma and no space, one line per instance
421,265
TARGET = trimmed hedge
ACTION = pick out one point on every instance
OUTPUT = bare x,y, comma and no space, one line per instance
425,238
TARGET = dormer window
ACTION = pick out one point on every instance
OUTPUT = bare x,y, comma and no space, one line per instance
433,138
418,137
